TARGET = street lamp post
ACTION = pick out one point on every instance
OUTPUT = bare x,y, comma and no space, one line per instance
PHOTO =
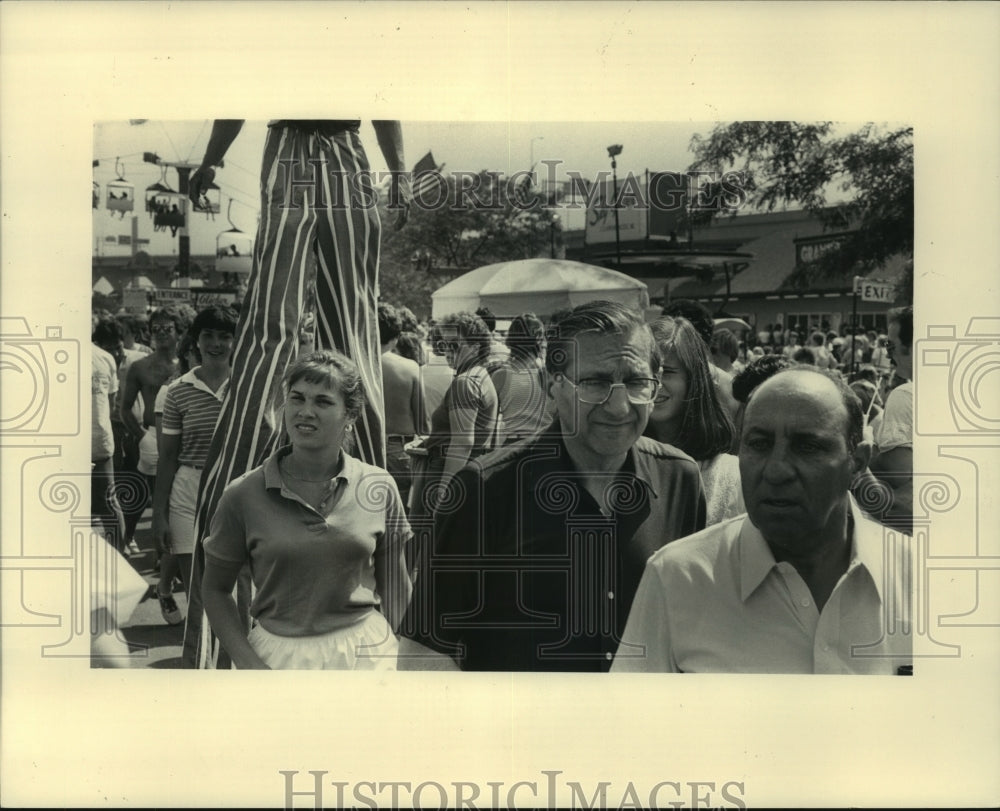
614,151
531,151
552,235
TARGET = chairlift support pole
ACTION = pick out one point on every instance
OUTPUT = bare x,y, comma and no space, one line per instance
184,239
854,323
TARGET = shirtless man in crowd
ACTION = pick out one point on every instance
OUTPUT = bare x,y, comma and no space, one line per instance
145,376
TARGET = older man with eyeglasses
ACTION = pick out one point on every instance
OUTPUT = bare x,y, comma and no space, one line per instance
539,547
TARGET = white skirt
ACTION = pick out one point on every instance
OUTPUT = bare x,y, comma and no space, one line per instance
183,500
148,454
366,645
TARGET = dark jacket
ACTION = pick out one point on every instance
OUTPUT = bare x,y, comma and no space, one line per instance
524,572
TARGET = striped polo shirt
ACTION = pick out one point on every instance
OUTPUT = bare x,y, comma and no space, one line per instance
190,410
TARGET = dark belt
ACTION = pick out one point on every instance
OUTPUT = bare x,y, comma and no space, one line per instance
322,126
438,451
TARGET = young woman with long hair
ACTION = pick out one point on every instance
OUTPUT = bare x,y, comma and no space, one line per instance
687,414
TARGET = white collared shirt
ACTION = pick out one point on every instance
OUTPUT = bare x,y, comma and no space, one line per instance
718,602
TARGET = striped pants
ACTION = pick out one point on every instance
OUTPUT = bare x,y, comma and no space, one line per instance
311,203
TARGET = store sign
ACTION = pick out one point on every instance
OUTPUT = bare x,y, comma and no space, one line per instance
809,251
668,204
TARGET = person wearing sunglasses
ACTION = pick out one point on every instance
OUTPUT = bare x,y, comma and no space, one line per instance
143,381
464,425
539,546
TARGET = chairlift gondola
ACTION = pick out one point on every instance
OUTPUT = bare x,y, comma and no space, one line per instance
120,193
169,211
233,248
210,202
154,202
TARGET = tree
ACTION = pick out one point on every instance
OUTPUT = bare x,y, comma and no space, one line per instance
109,303
786,162
466,222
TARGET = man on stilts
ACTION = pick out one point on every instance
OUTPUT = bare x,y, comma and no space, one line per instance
317,197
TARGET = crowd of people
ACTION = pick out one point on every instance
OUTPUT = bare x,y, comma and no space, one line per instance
847,349
343,487
170,373
537,486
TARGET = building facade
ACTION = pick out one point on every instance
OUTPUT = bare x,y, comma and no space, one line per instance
766,250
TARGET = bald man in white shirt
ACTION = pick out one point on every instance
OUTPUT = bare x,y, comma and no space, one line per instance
805,583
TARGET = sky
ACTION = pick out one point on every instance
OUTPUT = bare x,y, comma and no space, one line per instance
504,147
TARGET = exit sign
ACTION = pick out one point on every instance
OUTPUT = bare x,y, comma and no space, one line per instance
871,290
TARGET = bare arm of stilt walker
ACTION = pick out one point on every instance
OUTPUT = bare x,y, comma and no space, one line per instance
224,132
390,140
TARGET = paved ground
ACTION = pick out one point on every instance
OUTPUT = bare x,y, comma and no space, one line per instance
152,641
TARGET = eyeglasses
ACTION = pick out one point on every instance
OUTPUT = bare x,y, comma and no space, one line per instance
593,391
161,329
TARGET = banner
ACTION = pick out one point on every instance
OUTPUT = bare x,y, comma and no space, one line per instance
197,297
135,302
201,298
163,296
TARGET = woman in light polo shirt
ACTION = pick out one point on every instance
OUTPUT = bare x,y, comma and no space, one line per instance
324,534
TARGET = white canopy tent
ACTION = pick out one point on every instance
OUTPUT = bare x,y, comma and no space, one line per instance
141,283
461,293
541,286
